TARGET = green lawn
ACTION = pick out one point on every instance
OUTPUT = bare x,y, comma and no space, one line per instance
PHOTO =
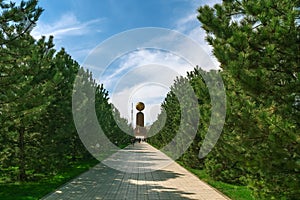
232,191
36,190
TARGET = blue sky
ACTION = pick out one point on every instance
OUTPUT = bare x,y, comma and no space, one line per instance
80,25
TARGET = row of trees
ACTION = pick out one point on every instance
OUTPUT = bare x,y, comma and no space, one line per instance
38,136
257,44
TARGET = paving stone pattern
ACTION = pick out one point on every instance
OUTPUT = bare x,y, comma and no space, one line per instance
137,172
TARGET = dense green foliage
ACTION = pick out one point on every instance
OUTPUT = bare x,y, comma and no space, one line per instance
233,191
37,190
165,130
38,136
257,44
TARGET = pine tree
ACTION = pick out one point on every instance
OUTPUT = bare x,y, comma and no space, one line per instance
19,82
38,135
257,44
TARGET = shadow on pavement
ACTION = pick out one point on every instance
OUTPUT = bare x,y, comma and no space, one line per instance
103,182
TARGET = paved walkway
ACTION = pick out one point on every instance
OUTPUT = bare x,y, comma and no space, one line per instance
136,173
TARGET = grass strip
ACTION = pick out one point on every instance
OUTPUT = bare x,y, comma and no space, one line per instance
235,192
36,190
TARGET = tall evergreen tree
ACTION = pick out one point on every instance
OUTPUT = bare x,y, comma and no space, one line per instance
175,129
257,44
19,81
38,135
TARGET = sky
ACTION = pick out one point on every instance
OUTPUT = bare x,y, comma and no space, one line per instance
140,75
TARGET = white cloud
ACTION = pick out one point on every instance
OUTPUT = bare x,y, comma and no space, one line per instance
140,70
198,3
151,94
133,85
144,75
66,25
136,66
191,26
187,20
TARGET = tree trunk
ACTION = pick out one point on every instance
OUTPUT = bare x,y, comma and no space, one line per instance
21,145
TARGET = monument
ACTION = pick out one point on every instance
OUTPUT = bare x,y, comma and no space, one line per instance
140,130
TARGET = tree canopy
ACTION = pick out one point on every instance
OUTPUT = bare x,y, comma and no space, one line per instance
38,136
257,45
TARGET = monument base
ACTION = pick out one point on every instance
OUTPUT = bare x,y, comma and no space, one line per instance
140,132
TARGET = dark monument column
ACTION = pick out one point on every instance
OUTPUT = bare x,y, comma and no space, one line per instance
140,130
140,119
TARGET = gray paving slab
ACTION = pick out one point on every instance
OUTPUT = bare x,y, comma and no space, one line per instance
136,173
